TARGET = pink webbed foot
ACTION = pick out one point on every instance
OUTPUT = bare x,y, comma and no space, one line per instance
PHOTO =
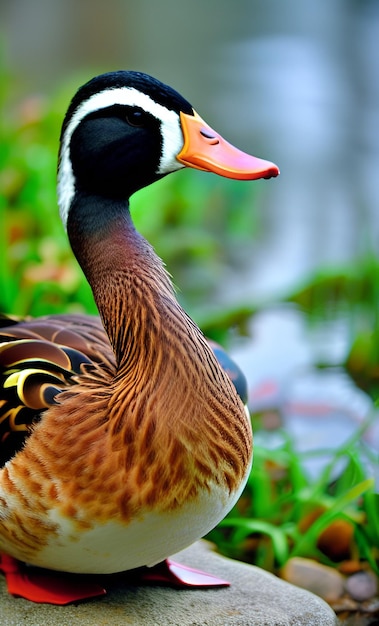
180,576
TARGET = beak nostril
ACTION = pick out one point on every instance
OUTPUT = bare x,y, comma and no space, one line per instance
208,135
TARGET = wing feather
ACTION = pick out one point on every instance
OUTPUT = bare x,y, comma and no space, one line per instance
39,359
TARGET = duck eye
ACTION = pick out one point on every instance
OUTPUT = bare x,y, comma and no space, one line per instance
136,117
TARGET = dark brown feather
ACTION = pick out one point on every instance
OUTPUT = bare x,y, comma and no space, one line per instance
38,360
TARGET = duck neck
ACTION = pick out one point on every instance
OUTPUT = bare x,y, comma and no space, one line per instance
132,290
167,378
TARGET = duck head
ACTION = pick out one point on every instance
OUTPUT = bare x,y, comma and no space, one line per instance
124,130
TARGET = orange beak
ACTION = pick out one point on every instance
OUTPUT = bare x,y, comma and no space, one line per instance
204,149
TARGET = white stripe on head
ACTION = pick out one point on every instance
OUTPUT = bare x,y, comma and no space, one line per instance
172,137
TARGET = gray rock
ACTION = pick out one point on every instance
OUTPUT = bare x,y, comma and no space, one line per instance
322,580
255,598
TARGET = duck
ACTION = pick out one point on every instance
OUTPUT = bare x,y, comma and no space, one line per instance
123,437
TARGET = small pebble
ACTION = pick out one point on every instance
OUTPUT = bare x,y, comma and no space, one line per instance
345,605
362,586
335,541
371,606
322,580
350,567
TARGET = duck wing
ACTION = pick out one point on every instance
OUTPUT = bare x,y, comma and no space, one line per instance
42,357
39,359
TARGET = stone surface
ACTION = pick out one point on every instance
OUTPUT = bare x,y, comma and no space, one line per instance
255,598
324,581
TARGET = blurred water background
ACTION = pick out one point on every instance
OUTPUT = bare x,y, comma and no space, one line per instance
295,82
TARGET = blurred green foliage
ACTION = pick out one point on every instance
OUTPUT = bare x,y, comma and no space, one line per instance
350,293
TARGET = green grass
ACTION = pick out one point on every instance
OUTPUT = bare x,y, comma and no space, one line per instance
282,513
